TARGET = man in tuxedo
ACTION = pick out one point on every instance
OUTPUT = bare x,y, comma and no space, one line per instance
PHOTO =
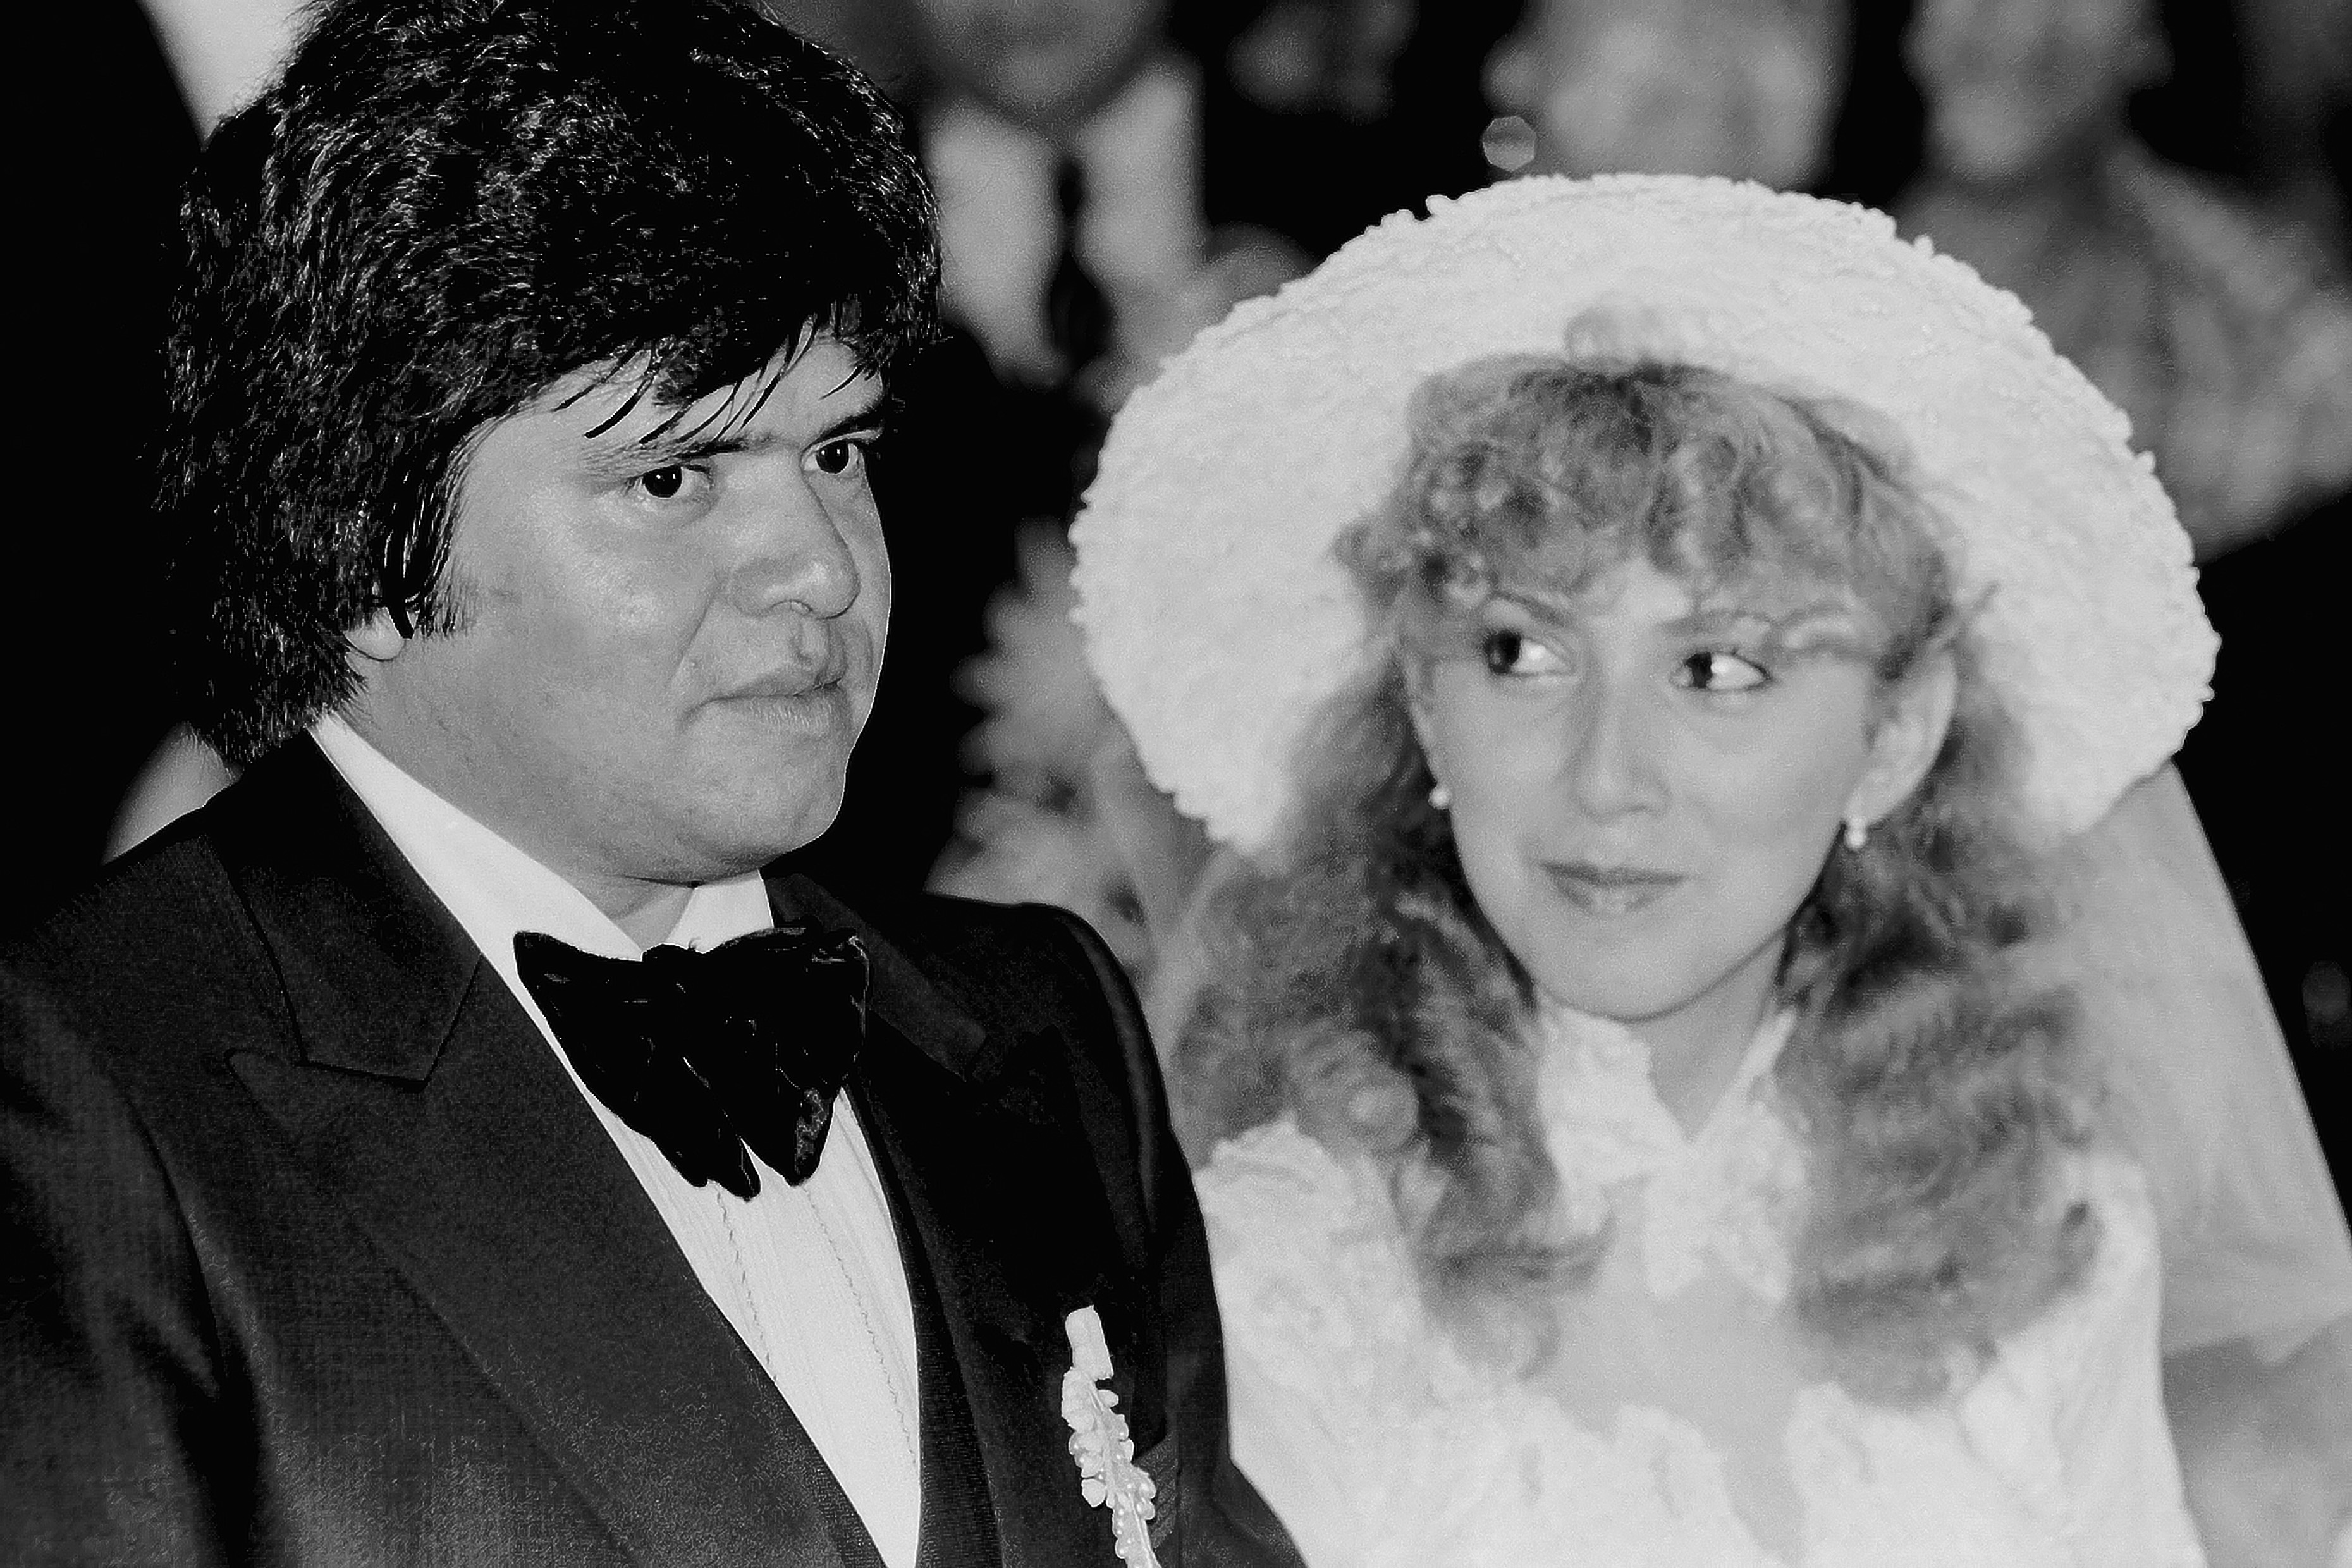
447,1145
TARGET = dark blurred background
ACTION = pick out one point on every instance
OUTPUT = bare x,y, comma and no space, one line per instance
2165,181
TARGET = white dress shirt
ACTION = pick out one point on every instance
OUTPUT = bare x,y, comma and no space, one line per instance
809,1276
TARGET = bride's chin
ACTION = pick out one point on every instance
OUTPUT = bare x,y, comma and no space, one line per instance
1621,998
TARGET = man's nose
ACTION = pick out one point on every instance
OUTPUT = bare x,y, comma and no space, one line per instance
796,552
1612,764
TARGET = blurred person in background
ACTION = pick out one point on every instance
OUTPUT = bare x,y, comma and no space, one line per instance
1063,138
1333,57
2225,332
1321,117
2298,65
1745,89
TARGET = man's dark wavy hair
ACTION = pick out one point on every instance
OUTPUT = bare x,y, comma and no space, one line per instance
441,209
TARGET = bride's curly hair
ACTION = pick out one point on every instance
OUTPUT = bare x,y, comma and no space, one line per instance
1355,983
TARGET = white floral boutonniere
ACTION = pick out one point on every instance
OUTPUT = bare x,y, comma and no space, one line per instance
1108,1473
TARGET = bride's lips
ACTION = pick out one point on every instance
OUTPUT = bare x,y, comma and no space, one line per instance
1606,891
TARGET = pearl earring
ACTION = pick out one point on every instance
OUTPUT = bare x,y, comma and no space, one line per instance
1441,797
1857,834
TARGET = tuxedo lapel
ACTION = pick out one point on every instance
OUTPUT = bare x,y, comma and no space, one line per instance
979,1132
957,1526
422,1096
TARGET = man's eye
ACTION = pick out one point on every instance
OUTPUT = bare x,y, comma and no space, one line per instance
1716,670
669,481
1516,653
845,455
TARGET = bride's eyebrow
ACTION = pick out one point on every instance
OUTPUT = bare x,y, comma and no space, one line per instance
1544,610
1823,625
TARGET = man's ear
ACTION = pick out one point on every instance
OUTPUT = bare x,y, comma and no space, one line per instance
1908,736
378,639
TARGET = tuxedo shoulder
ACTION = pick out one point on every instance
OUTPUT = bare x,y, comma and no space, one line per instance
966,933
163,912
1013,970
1026,966
120,1010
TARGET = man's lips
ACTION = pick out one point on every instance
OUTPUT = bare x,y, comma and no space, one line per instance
800,679
793,683
792,705
1599,889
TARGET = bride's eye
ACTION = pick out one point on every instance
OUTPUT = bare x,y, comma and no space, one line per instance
1509,652
1718,670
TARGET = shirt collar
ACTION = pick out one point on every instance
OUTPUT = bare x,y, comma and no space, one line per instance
496,889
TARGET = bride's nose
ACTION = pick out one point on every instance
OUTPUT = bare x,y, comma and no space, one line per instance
1610,765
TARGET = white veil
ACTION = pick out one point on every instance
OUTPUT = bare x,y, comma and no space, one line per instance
2257,1288
2199,1085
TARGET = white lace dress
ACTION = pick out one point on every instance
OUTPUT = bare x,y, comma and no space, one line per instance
1679,1424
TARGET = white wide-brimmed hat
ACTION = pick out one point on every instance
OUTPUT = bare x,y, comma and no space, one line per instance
1219,623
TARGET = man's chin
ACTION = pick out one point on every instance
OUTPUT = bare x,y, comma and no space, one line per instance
754,831
764,848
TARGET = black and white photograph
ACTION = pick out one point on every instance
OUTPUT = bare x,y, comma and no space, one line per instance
1261,783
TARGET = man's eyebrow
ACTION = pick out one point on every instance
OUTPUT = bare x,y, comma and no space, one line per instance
633,457
871,411
731,413
657,449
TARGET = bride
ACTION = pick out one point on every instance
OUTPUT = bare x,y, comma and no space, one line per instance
1650,642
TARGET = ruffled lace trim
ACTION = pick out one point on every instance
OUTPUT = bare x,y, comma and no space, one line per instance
1382,1446
1726,1195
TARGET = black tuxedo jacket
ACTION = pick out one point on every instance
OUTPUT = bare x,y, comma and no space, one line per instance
315,1255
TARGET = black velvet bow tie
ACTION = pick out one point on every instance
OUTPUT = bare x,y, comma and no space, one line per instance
705,1052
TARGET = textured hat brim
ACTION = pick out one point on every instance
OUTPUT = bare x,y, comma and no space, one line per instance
1218,622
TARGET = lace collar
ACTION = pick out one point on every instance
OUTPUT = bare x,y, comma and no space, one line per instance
1726,1195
